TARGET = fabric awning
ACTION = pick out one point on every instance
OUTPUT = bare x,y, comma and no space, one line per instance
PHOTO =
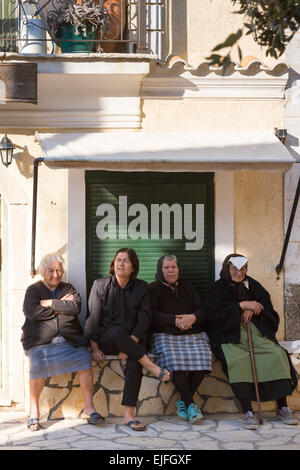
167,151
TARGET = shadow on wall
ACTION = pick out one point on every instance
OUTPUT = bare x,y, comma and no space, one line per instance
24,160
177,29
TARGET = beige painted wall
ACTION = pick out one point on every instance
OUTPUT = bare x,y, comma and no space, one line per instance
258,227
192,115
210,22
17,185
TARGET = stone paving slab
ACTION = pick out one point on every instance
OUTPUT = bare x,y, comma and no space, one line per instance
214,432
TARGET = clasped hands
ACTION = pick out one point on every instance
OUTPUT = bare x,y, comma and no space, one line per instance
250,308
185,322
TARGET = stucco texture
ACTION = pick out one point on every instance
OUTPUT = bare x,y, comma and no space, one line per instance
192,115
258,227
209,24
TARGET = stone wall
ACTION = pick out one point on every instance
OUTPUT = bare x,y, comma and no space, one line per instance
63,398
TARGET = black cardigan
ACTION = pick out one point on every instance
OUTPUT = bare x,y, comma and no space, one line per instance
224,313
42,324
110,305
165,305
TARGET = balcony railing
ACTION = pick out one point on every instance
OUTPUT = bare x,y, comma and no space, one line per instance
132,26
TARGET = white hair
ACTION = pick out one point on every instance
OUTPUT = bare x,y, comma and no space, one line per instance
50,258
170,258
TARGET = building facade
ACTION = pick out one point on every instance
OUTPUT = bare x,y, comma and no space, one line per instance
145,146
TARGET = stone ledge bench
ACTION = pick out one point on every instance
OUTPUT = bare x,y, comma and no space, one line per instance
62,396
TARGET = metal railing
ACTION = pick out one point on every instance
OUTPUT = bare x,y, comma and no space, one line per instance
9,26
134,26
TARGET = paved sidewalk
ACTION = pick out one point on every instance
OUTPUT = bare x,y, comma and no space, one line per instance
215,432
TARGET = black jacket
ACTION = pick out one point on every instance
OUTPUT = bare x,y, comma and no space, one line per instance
110,305
42,324
224,313
165,304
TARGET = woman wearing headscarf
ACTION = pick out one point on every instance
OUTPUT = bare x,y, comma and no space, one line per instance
234,300
178,334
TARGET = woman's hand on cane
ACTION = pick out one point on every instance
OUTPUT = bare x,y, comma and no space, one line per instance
247,315
256,307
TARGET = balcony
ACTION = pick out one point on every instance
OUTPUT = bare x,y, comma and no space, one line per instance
132,27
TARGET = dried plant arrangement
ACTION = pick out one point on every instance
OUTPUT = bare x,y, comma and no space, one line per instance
84,14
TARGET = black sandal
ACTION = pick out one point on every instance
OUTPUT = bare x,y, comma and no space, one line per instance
95,418
131,424
34,424
162,374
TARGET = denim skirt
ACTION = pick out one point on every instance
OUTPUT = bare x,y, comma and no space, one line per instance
58,357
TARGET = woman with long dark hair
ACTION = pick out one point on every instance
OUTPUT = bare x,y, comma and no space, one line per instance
118,322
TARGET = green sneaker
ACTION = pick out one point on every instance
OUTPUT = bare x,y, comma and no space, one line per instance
181,410
194,414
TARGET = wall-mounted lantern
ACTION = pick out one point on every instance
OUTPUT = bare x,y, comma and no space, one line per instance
6,150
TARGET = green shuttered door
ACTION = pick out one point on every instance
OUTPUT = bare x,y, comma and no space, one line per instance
154,213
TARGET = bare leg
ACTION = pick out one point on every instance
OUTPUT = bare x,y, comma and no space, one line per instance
151,367
36,386
129,415
86,383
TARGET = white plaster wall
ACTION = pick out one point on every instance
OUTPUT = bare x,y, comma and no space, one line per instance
292,124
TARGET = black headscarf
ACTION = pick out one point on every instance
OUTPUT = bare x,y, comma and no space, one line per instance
238,289
160,277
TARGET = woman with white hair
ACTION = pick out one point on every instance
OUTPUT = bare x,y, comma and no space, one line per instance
179,339
53,338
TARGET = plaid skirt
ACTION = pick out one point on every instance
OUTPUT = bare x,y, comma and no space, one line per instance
182,352
58,357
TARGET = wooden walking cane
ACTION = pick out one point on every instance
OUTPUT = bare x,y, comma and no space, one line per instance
254,372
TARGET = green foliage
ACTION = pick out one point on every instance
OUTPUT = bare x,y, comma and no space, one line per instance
272,23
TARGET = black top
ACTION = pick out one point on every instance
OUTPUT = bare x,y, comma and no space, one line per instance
224,313
42,324
110,305
166,303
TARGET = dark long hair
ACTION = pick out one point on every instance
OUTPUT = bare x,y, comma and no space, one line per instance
133,258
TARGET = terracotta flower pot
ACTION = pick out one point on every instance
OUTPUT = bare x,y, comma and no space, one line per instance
117,24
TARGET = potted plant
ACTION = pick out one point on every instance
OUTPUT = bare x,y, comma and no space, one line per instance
73,26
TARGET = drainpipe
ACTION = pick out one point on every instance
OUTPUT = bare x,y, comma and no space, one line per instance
36,163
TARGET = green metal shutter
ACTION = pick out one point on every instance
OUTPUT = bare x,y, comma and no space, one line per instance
150,190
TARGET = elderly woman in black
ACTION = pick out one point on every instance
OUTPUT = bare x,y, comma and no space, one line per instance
178,336
234,300
118,322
